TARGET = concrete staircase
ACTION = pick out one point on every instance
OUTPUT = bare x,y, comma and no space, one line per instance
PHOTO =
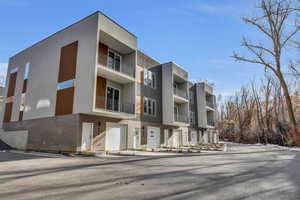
4,146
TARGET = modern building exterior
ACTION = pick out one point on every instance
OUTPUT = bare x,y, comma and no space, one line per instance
88,88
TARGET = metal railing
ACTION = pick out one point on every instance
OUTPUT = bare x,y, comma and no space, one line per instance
180,93
181,118
123,70
210,104
111,105
210,122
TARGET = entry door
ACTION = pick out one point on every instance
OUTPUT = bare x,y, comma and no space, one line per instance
113,99
115,138
176,112
136,138
194,137
177,138
153,137
87,137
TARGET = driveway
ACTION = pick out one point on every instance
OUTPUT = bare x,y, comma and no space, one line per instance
245,172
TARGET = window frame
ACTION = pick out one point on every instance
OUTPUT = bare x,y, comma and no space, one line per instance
192,117
114,60
114,88
153,108
151,84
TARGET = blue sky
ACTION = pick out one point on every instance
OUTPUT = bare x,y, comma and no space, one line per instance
199,35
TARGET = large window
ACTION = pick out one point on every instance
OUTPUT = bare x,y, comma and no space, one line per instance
114,61
149,106
192,117
149,78
113,99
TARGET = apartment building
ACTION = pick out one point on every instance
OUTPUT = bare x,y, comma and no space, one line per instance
203,113
88,88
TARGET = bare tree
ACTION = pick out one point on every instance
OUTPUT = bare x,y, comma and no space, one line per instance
272,23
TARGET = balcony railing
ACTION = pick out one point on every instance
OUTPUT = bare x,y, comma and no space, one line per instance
210,104
181,118
180,93
111,105
123,70
210,122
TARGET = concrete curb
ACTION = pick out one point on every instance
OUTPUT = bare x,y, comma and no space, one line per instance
41,154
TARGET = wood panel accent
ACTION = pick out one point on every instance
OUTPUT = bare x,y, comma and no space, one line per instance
162,136
142,105
64,101
24,89
68,60
142,77
100,92
103,52
8,112
12,84
144,137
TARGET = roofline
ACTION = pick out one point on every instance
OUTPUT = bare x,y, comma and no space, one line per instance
38,42
148,56
97,12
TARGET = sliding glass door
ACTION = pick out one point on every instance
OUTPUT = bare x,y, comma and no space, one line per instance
113,99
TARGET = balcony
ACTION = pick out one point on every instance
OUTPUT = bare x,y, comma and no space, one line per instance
180,96
113,108
181,118
210,104
122,75
210,122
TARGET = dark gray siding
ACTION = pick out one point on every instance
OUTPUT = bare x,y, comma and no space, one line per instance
155,94
193,105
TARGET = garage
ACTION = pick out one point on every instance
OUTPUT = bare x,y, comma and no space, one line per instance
177,138
193,137
116,137
153,137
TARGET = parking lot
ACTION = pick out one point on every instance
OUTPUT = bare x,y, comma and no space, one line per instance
245,172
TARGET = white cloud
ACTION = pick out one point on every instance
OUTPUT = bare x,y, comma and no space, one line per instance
3,71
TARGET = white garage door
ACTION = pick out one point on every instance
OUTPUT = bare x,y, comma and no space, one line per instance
193,137
177,138
87,136
115,138
153,137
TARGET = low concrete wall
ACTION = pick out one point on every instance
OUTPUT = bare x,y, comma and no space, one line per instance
15,139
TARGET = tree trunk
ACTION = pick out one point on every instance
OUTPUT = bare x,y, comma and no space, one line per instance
294,130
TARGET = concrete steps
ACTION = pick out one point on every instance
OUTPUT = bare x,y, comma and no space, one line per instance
4,146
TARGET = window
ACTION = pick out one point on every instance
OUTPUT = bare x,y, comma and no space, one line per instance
192,117
113,99
26,73
149,106
191,97
114,61
149,78
65,84
176,112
